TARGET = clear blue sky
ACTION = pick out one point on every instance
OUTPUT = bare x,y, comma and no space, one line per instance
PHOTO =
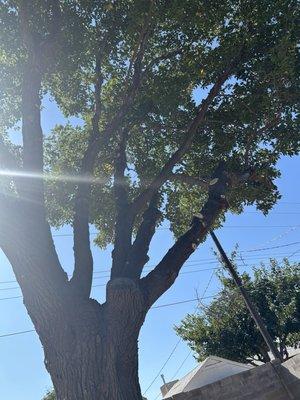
22,372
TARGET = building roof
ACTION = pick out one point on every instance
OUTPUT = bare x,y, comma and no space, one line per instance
210,370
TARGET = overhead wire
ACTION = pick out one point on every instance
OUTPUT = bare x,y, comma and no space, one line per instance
176,344
197,262
196,299
226,227
153,307
181,273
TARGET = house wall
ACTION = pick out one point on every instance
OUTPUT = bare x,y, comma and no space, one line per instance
270,381
214,370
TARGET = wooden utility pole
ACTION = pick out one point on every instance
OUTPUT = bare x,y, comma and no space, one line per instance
251,307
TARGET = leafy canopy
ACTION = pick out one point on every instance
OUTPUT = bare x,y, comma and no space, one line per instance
250,124
225,327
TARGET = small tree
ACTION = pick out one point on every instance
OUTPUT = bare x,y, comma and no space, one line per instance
225,328
145,152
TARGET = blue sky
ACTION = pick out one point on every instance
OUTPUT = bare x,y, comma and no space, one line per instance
22,372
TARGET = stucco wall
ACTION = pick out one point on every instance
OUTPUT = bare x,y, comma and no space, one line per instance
271,381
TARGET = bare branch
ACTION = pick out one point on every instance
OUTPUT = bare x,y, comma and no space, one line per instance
162,57
165,273
124,221
83,269
83,258
135,64
190,180
138,255
140,202
97,139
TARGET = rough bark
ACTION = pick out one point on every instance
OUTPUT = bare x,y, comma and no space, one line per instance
89,352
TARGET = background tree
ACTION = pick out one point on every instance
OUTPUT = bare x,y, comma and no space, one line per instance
50,395
145,152
225,327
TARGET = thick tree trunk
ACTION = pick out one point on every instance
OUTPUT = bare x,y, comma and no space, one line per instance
95,371
91,350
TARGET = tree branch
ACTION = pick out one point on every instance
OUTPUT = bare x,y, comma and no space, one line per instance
163,276
138,255
97,139
7,158
34,69
83,259
138,54
25,238
190,180
124,220
83,268
140,202
31,109
162,57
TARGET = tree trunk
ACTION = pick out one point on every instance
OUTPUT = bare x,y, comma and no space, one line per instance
91,350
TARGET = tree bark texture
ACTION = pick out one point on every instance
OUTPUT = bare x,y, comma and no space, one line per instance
91,350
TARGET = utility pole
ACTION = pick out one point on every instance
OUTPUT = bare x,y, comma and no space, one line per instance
251,307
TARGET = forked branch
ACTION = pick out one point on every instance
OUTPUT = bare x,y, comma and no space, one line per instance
83,268
124,221
164,274
138,255
141,201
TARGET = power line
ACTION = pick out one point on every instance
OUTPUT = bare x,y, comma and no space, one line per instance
175,374
108,276
183,301
190,352
196,262
269,248
168,228
181,273
17,333
153,307
186,358
181,365
261,226
179,340
10,298
289,202
295,252
247,299
278,237
196,299
272,212
163,366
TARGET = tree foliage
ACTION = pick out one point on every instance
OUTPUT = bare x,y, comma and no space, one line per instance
50,395
184,110
185,50
225,328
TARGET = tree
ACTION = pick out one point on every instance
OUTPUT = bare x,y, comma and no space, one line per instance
226,328
145,152
50,395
